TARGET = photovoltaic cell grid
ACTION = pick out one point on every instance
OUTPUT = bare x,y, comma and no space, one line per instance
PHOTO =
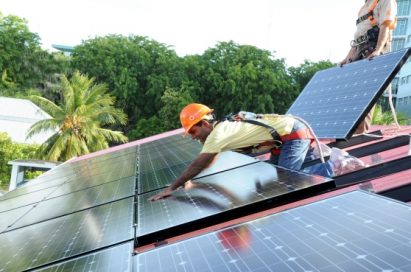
162,161
116,258
88,208
336,100
81,176
356,231
76,201
67,236
69,171
221,192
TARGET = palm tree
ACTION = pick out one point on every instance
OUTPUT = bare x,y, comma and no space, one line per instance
85,110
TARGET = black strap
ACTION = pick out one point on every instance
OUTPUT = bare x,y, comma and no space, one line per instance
364,17
272,130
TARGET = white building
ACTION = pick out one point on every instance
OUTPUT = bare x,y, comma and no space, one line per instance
17,116
401,86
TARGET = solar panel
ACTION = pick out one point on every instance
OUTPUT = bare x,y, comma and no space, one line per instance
221,193
80,200
88,177
159,178
23,200
116,258
107,167
162,161
356,231
337,99
67,236
9,217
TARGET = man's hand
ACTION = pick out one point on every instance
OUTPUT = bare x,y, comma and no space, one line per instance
163,194
344,61
374,54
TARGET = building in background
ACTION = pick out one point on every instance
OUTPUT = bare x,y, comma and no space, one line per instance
17,116
66,49
401,85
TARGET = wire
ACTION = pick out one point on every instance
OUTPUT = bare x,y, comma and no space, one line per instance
317,142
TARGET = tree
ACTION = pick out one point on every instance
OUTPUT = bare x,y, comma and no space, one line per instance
12,151
137,70
23,64
241,77
302,74
80,120
167,118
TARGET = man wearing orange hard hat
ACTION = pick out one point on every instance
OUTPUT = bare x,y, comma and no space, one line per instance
251,134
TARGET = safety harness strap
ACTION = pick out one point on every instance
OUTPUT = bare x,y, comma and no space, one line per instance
369,15
273,132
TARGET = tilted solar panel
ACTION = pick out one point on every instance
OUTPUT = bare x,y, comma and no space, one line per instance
356,231
229,192
337,99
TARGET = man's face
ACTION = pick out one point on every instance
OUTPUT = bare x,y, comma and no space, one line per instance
200,131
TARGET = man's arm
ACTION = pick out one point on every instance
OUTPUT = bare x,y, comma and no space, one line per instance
349,57
383,37
201,162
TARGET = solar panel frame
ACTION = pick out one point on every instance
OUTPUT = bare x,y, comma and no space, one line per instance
334,94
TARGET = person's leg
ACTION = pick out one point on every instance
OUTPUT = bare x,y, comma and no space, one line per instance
293,153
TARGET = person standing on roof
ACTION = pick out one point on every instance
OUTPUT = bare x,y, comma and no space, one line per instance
269,132
375,23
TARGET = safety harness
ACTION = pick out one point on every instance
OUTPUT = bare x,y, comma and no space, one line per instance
367,43
274,146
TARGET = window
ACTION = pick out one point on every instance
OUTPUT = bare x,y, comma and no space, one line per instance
401,28
403,7
397,44
394,85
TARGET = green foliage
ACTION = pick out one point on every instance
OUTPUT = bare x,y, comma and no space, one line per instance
168,117
146,127
136,69
12,151
302,74
380,117
79,120
23,64
234,77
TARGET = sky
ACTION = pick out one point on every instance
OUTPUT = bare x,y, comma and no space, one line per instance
295,30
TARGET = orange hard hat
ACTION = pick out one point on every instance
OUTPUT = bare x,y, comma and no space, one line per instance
192,114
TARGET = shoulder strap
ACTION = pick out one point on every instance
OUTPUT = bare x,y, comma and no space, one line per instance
369,15
272,130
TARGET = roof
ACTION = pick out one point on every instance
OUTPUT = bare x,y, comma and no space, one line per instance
90,206
17,116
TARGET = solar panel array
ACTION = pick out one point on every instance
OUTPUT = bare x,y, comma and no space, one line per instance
337,99
356,231
82,210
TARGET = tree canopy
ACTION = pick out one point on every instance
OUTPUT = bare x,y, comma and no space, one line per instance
23,64
136,69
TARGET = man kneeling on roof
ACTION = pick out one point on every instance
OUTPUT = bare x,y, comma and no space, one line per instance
248,133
